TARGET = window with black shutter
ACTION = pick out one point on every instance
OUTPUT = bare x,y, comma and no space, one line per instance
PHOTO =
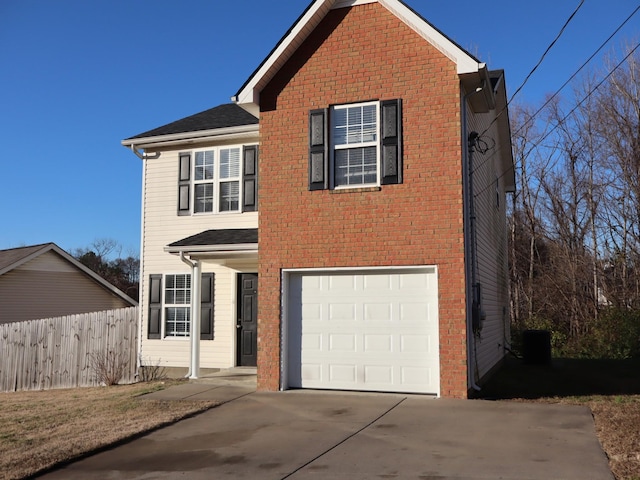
355,145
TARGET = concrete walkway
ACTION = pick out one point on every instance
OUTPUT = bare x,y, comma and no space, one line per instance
316,435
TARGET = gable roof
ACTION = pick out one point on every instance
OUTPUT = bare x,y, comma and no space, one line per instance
223,119
13,258
249,94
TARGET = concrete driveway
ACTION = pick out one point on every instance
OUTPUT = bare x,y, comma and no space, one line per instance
315,435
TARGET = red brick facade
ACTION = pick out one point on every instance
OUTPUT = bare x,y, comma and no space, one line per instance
358,54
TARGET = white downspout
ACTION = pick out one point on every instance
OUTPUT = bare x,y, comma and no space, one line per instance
142,156
468,239
194,332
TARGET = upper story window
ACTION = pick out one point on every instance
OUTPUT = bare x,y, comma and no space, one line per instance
355,145
217,180
355,142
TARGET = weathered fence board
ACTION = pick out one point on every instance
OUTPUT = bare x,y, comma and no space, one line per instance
61,352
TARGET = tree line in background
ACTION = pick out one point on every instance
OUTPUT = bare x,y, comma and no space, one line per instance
104,257
575,220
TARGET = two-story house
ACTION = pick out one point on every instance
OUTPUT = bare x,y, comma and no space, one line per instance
342,223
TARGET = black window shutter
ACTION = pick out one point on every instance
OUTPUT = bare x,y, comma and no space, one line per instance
184,184
155,307
318,149
250,179
206,306
391,141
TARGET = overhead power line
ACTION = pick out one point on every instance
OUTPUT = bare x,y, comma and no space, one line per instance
504,109
557,92
563,119
546,51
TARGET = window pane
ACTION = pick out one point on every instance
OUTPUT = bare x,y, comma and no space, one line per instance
204,165
177,321
355,166
353,125
229,196
340,117
230,163
177,292
204,198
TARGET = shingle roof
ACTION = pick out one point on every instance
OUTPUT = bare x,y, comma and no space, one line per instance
15,255
222,116
219,237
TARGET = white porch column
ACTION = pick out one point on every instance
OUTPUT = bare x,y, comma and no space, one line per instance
196,294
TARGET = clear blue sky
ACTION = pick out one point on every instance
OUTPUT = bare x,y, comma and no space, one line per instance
78,76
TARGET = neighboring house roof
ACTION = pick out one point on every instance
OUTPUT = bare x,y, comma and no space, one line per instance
214,241
220,120
249,94
13,258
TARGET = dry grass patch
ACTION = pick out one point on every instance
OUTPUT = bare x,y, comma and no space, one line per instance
41,429
617,422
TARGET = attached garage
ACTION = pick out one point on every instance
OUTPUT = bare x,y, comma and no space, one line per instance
373,330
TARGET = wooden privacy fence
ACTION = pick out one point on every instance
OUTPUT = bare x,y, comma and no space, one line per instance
64,352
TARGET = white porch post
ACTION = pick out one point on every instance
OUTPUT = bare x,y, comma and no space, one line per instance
196,294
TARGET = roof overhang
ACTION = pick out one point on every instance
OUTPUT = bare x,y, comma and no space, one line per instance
243,132
504,131
221,244
248,97
215,251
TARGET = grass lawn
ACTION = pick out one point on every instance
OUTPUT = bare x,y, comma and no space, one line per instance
611,388
40,429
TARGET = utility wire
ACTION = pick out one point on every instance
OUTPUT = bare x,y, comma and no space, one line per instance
546,51
591,92
557,92
578,70
536,66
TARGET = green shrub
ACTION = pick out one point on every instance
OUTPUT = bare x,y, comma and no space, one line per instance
615,334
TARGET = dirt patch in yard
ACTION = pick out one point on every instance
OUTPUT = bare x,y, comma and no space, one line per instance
41,429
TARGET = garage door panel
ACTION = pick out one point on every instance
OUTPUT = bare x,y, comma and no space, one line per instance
364,331
378,343
340,312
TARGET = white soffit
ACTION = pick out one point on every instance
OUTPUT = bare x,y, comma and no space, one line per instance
250,92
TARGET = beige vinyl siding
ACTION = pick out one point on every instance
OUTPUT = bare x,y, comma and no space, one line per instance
491,235
161,227
49,286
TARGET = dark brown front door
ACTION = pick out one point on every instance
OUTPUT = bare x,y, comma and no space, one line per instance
247,319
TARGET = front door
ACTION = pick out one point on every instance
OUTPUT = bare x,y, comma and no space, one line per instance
247,326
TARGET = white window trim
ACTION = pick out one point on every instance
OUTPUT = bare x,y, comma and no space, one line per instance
333,147
163,328
216,180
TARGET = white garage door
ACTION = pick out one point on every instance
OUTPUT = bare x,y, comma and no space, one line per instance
364,330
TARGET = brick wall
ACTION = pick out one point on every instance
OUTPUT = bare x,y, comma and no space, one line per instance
357,54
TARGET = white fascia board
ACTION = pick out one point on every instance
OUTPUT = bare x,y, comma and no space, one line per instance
351,3
230,133
200,249
464,62
250,94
